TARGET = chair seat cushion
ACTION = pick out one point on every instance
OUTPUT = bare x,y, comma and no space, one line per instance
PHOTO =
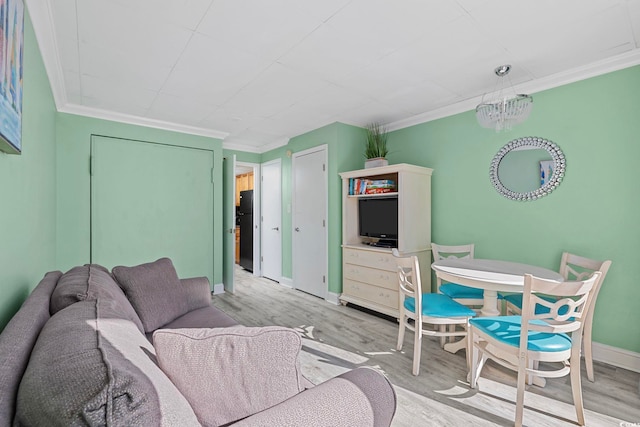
506,329
454,290
439,305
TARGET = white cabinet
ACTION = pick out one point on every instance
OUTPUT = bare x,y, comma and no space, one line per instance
369,273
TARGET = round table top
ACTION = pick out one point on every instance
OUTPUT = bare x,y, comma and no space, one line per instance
490,273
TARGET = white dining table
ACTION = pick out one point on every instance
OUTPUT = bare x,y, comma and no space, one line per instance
491,275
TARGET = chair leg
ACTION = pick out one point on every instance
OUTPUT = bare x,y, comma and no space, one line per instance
576,386
588,355
417,348
401,328
443,339
533,364
475,359
522,377
469,348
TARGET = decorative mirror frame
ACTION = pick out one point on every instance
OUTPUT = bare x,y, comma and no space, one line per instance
554,151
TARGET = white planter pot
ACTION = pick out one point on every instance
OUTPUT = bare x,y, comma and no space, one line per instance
375,162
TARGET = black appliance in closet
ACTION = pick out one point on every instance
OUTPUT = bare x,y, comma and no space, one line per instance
245,221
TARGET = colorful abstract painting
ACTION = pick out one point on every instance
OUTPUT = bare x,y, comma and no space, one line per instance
11,53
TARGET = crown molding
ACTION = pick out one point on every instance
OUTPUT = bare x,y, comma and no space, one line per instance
276,144
615,63
240,145
139,121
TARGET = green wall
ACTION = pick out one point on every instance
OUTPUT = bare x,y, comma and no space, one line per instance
243,156
594,211
28,193
73,139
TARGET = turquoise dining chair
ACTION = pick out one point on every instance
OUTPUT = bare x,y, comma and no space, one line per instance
418,308
463,294
572,267
521,342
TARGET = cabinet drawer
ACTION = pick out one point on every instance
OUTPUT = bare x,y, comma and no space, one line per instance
384,278
371,293
379,260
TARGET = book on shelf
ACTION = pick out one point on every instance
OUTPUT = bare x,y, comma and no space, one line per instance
359,186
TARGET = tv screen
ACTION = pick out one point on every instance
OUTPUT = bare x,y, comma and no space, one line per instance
378,217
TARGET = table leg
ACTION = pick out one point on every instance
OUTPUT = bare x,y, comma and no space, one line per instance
490,307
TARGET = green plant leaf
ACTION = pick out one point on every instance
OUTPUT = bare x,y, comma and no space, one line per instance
376,142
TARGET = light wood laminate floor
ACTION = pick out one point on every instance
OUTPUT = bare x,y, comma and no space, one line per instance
337,338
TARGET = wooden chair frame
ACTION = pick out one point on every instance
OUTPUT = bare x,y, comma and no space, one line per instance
410,285
575,267
567,315
439,252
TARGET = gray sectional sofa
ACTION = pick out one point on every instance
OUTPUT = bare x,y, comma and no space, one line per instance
139,347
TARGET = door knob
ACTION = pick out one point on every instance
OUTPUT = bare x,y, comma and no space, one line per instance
275,228
297,228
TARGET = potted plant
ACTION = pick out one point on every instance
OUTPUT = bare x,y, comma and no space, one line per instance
376,146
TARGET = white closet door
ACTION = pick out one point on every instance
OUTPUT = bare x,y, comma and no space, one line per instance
271,220
309,221
150,201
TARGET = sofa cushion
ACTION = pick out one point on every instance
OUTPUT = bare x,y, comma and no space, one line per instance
154,291
205,317
105,374
18,339
91,281
229,373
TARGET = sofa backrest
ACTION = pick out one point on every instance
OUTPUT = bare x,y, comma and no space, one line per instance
92,366
17,341
91,363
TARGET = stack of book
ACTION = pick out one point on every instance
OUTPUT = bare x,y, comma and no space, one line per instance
370,186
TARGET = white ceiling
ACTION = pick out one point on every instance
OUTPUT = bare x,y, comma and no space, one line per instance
258,72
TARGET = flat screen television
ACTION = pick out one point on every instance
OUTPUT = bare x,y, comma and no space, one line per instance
378,217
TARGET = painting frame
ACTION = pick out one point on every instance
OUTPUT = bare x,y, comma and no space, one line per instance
11,74
546,171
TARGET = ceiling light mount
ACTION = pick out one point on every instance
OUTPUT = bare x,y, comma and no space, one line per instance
502,70
506,108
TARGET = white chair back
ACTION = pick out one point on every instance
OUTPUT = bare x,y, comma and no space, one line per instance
457,251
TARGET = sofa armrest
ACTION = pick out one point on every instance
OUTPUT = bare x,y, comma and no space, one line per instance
197,291
360,397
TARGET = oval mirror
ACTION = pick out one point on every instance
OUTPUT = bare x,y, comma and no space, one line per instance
527,168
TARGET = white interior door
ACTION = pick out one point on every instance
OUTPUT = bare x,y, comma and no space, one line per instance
229,219
309,221
271,220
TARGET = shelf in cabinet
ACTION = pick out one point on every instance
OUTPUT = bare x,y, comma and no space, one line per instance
359,196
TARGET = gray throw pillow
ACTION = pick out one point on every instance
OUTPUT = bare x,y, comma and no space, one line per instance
90,282
227,374
73,286
155,292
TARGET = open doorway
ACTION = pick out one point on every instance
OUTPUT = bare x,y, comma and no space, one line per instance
247,205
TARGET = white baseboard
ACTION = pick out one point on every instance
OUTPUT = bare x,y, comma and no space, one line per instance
616,356
218,289
286,281
333,298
